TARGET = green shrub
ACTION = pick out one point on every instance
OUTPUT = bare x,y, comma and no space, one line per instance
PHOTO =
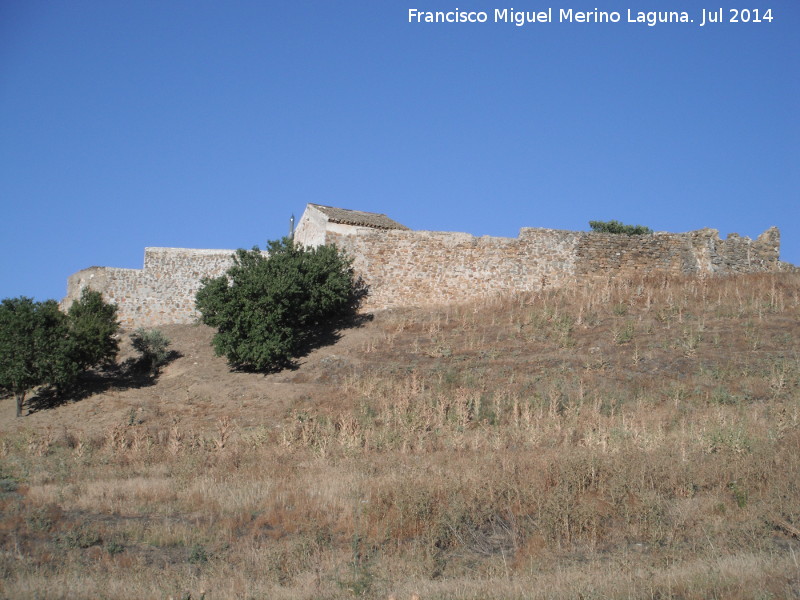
80,537
266,309
617,227
152,345
198,555
114,548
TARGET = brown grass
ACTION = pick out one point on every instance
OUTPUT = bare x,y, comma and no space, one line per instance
628,439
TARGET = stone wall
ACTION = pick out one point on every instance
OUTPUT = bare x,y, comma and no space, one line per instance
408,268
699,251
421,267
161,293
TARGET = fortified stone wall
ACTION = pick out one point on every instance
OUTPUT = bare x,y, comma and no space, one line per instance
419,267
161,293
422,267
699,251
408,268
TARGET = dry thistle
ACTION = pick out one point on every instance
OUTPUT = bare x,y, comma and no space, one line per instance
224,427
175,442
115,438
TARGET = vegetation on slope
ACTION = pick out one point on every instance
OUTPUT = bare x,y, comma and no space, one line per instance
614,440
268,308
42,346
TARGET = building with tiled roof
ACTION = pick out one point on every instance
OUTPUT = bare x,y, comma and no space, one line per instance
318,220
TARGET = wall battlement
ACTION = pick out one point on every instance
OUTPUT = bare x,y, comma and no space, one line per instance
412,268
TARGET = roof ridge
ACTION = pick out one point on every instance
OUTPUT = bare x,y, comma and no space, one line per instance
349,216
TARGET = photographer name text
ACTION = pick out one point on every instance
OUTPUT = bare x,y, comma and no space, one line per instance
703,17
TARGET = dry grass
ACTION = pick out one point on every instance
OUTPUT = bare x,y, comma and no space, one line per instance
613,440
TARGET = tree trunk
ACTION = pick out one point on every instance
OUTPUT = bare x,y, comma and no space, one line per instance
20,396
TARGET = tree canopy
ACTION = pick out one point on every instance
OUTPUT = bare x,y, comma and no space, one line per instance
268,307
40,345
33,342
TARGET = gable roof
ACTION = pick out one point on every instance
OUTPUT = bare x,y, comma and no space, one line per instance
358,218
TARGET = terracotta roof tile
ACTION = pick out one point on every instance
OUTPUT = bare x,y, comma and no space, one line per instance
358,218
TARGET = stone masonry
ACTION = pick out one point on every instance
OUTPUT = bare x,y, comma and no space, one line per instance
413,268
159,294
419,267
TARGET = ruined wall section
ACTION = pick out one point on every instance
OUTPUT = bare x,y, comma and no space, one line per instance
406,268
737,254
695,252
159,294
605,255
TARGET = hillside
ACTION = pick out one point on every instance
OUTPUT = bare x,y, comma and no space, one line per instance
620,439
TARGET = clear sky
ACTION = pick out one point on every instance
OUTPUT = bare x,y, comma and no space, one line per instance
207,124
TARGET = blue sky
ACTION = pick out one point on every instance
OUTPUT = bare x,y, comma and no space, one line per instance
207,124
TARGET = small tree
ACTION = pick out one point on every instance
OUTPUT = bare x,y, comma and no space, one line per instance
33,346
93,328
617,227
40,345
266,308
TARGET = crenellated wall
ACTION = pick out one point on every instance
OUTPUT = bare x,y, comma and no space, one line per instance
407,268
